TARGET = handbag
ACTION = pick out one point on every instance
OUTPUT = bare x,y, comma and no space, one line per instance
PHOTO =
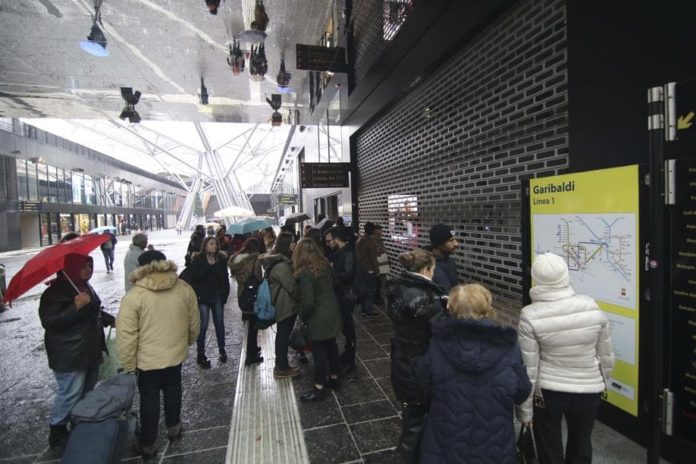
109,366
383,263
300,339
526,446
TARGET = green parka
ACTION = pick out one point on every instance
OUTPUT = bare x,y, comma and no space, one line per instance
318,306
283,285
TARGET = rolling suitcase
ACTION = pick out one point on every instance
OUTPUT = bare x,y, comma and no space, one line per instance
97,442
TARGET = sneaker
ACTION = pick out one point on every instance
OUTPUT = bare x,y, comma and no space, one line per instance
174,432
253,360
203,361
317,394
284,373
223,356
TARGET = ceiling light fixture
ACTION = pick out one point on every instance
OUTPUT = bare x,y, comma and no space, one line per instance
96,40
131,99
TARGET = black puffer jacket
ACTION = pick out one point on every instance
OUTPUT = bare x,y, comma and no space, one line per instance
413,303
74,338
210,280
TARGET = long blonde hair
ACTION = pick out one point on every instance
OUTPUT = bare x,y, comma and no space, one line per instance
308,257
471,301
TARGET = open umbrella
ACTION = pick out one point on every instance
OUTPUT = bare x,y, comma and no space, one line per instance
233,211
48,262
248,225
103,229
295,218
324,224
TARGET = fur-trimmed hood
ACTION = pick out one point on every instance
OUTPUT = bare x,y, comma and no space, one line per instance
156,276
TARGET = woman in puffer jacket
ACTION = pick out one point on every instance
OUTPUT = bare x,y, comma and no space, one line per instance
414,302
475,372
566,346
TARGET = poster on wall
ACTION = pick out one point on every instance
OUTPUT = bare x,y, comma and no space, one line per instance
591,219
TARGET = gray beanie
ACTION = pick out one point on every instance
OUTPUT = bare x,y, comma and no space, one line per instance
550,270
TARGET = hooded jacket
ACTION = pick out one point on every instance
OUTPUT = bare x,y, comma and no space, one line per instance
74,338
475,372
414,302
241,266
158,319
566,343
130,262
283,285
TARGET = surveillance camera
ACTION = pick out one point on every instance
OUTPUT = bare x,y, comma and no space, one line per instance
302,128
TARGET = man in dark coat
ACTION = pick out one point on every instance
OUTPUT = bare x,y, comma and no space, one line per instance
443,243
343,265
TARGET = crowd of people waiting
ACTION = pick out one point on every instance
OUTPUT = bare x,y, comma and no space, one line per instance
457,372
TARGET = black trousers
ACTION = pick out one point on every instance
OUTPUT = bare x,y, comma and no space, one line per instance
412,424
282,341
252,339
346,308
579,410
326,360
150,383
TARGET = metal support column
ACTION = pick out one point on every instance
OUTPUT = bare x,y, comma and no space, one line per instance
657,271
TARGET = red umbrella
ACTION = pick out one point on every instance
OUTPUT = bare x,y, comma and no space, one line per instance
49,261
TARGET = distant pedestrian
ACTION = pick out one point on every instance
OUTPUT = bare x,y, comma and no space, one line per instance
74,339
157,322
473,369
443,243
178,229
566,346
130,262
210,280
235,60
107,249
195,243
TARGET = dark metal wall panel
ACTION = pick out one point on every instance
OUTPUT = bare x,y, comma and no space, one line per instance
462,141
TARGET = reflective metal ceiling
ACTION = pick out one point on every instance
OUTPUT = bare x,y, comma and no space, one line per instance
160,47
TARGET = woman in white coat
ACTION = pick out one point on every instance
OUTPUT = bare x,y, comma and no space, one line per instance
566,346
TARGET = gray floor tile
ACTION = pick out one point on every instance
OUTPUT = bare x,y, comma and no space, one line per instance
379,368
368,411
330,445
383,457
199,439
200,457
377,434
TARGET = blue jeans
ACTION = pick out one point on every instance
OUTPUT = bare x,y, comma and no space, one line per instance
218,320
109,258
72,386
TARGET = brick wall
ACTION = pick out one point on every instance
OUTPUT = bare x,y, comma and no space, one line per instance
495,114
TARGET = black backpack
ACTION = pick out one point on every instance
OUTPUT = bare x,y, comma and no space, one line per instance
247,296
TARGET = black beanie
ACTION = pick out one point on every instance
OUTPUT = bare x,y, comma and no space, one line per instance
150,256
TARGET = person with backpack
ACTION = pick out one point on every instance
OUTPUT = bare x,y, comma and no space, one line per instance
277,266
107,249
195,242
211,283
246,270
319,310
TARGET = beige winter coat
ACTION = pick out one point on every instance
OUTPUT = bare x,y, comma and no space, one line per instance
158,319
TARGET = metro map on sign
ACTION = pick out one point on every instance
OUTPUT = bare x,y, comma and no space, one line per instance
600,250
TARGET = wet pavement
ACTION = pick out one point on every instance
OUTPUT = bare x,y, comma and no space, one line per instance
359,423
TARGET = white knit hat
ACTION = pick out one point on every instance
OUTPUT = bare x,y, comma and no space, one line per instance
550,270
